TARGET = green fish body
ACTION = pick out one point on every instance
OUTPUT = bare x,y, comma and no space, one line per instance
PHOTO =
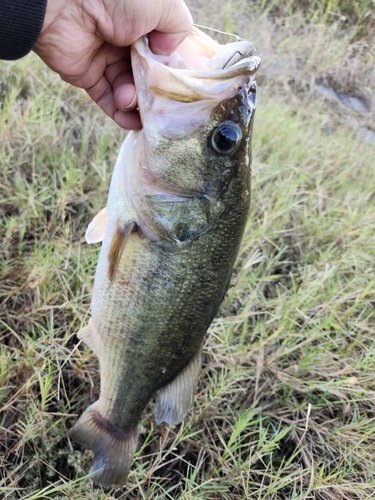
176,213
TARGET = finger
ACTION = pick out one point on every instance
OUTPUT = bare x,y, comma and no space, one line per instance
165,43
114,89
174,25
129,120
125,97
102,94
120,76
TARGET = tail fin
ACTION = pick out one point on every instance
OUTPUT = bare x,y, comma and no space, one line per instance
113,448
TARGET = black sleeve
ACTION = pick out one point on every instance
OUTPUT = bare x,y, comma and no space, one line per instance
21,22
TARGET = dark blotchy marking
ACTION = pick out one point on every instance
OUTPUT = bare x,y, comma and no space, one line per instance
116,433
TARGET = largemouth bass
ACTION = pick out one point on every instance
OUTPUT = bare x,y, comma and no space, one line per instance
176,212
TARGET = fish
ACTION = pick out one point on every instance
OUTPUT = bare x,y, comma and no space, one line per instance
177,208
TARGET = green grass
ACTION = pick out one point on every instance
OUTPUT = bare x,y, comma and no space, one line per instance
285,407
359,16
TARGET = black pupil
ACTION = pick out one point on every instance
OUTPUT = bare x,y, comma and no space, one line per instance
226,137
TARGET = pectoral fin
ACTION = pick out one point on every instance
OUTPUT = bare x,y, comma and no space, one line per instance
96,229
117,246
176,398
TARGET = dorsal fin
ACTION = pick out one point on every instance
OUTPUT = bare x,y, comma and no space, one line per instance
87,335
96,229
117,247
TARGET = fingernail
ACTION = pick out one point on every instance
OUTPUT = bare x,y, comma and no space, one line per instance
132,104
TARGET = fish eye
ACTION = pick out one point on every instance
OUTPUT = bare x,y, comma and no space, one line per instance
225,138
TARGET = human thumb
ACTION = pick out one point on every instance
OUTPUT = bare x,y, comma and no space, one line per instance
174,25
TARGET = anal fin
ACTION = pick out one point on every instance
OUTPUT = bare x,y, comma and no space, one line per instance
176,398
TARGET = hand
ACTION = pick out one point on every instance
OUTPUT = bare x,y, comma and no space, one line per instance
88,43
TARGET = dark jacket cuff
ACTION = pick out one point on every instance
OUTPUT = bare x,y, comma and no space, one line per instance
21,22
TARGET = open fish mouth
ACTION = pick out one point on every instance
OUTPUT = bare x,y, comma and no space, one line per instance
200,73
200,68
